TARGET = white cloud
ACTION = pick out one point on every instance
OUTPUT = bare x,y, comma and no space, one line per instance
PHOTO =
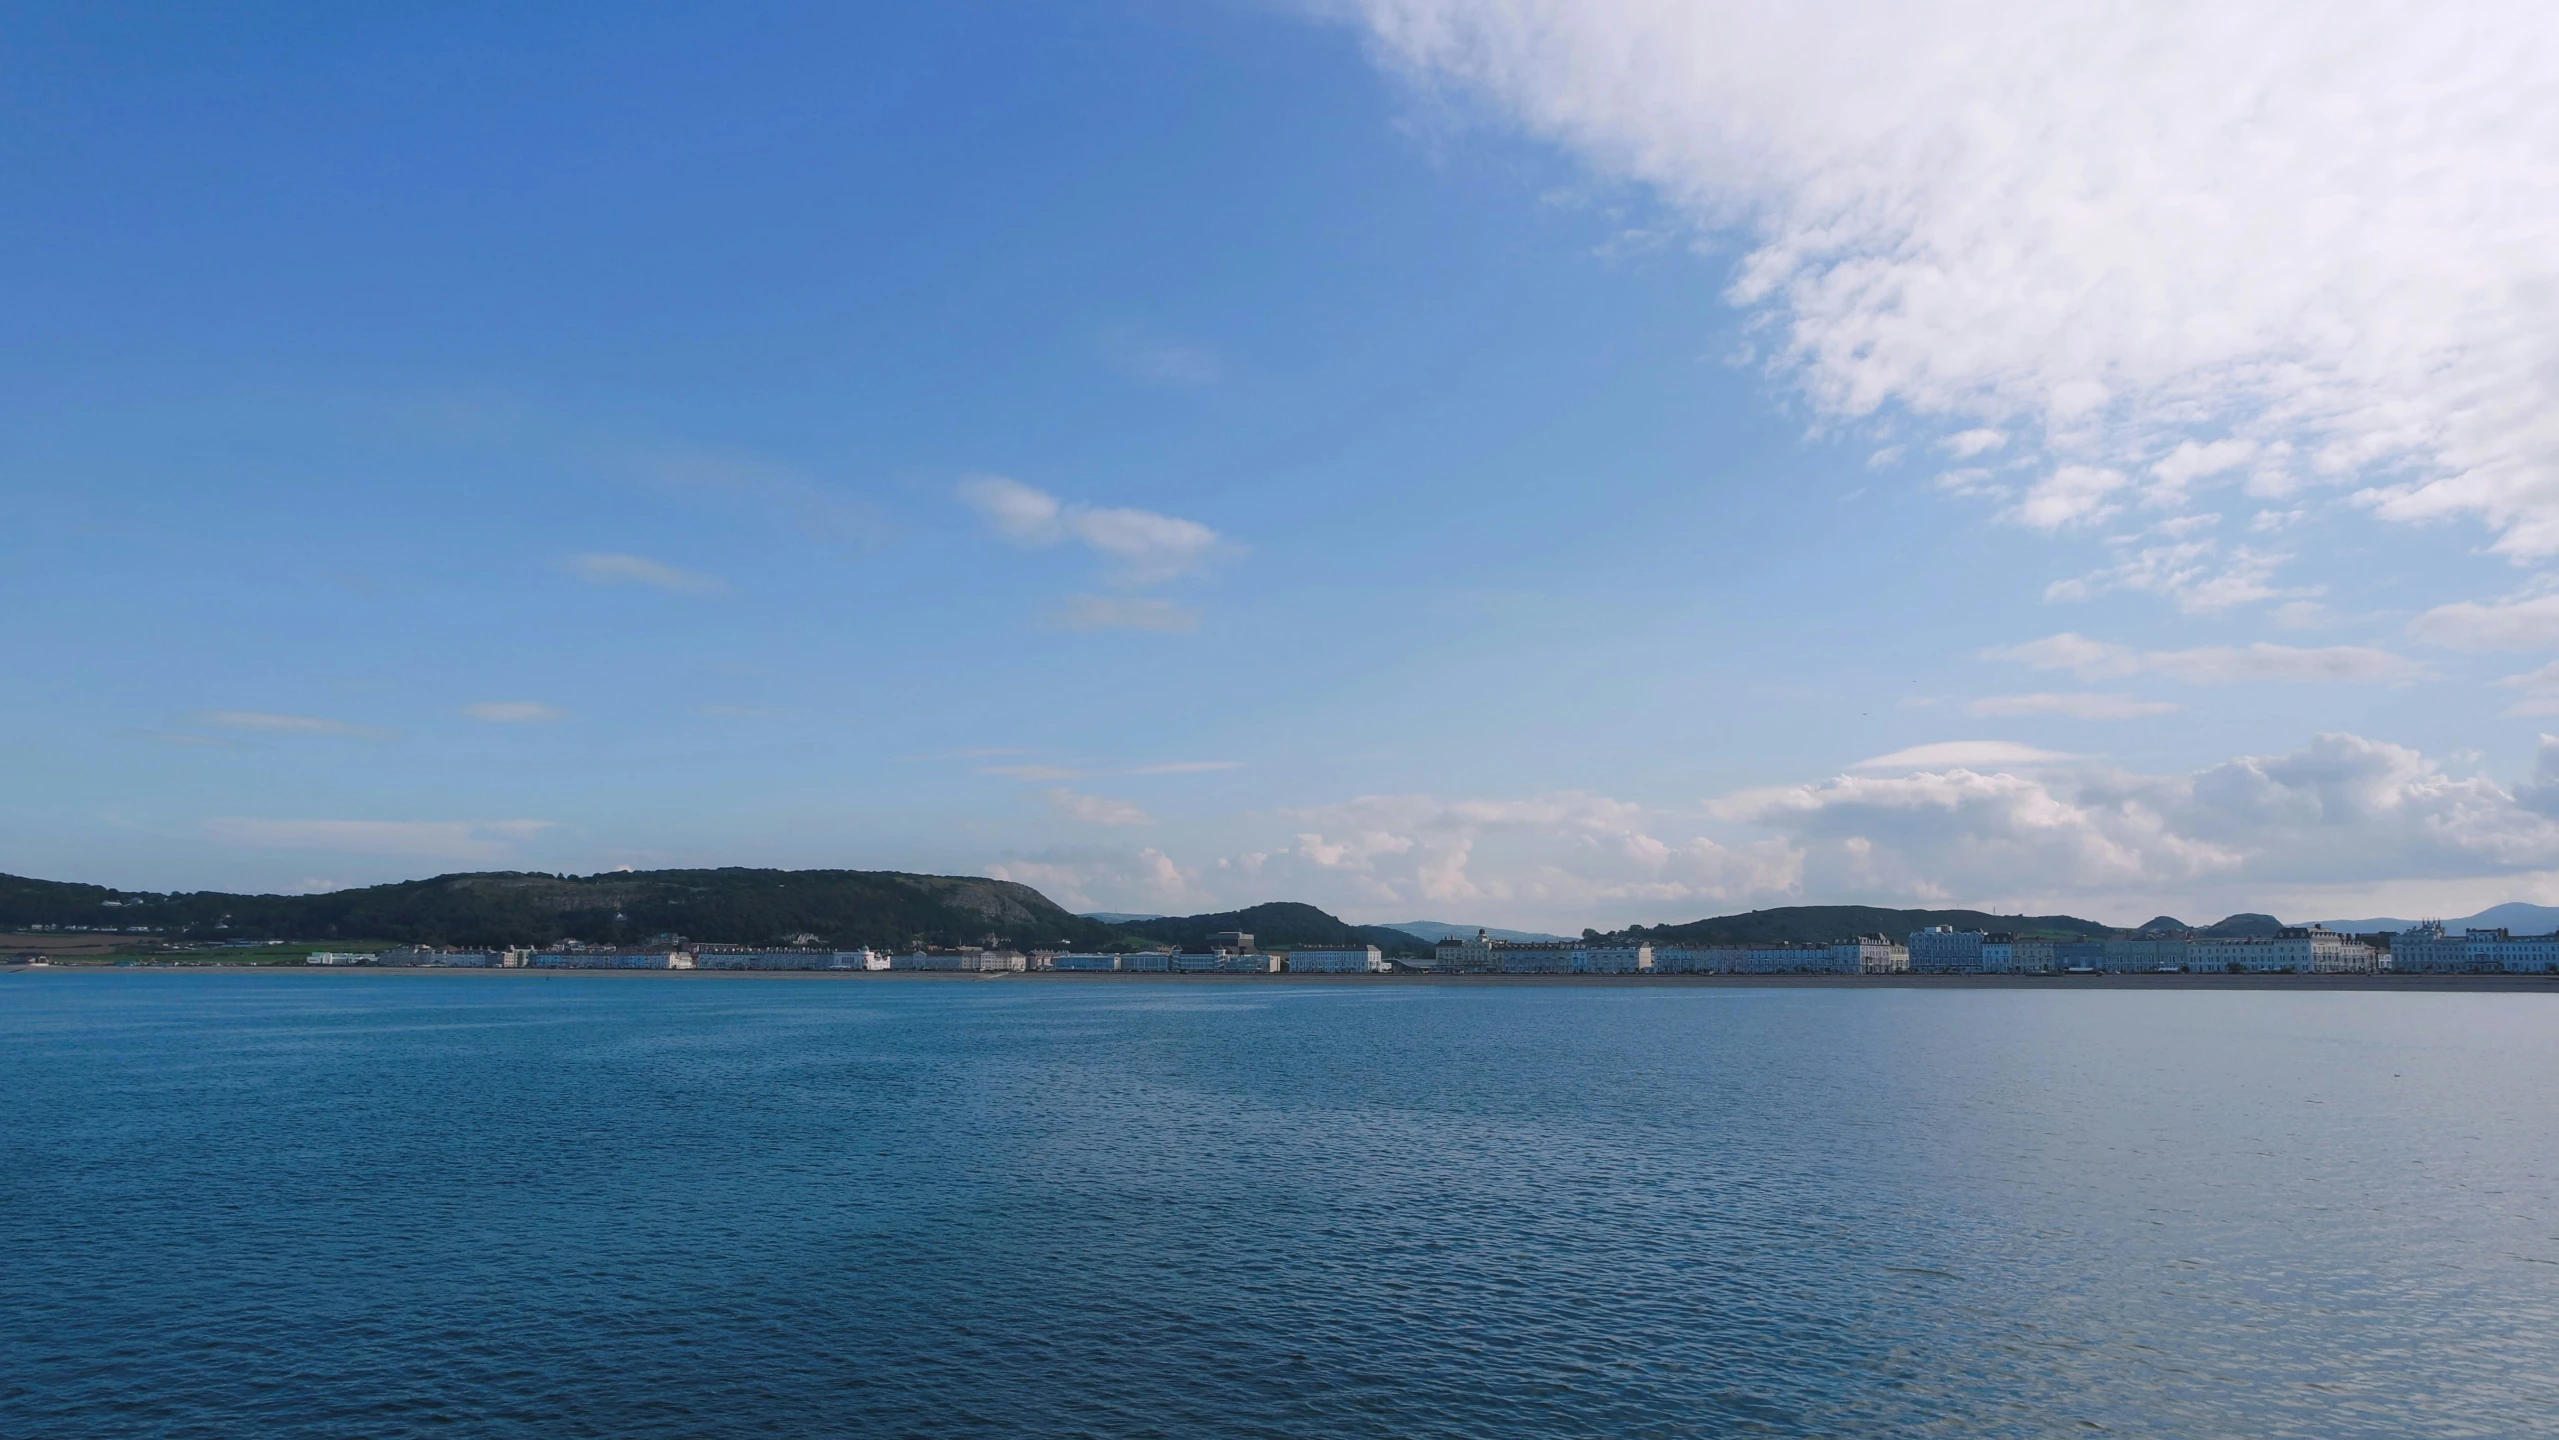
264,722
472,840
514,712
2342,809
1548,857
1144,547
2070,496
1095,809
637,570
2528,622
1032,772
2085,705
1967,754
1083,878
2216,664
2181,237
1965,444
2192,573
1113,612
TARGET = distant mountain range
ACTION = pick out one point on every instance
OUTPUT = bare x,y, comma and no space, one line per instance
2515,915
1801,923
726,906
846,908
890,909
1438,930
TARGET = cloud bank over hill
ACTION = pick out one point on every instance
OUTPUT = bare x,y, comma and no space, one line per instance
2343,814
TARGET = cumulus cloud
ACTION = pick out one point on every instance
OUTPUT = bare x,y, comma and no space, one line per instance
1548,856
637,570
2343,809
2216,664
514,712
2081,705
1969,753
2191,239
1083,878
1095,809
267,722
1142,546
1119,612
472,840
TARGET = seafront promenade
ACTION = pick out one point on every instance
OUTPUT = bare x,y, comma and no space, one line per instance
2383,982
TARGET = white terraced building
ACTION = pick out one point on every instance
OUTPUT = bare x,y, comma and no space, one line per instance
1082,961
2008,955
1485,955
2294,950
1359,960
2430,949
794,957
651,959
1871,955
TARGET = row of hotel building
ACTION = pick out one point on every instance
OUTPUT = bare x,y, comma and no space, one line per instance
1943,950
1235,954
1939,950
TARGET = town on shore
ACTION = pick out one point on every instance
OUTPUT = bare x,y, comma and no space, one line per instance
1934,950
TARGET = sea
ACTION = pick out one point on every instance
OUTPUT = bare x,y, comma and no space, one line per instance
349,1205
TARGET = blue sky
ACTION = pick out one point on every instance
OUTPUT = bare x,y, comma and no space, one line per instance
1183,456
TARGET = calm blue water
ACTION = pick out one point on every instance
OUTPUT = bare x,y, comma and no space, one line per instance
351,1205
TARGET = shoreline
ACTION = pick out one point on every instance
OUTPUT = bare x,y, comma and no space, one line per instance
2453,984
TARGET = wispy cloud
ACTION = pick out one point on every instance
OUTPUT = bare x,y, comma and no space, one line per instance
514,712
1964,754
601,569
2216,664
2082,705
1142,546
473,840
1095,809
1953,214
268,722
1151,359
1063,772
2528,621
784,491
1109,612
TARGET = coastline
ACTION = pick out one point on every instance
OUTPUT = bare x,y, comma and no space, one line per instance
2432,984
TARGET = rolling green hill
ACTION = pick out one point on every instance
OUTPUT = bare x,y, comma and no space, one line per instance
726,906
1276,926
1839,922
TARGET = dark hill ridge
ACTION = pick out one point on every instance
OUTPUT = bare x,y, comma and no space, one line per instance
1814,923
726,906
1279,925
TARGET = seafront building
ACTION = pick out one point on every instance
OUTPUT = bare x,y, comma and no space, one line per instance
1350,960
741,957
2430,949
1866,955
1945,950
1483,955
